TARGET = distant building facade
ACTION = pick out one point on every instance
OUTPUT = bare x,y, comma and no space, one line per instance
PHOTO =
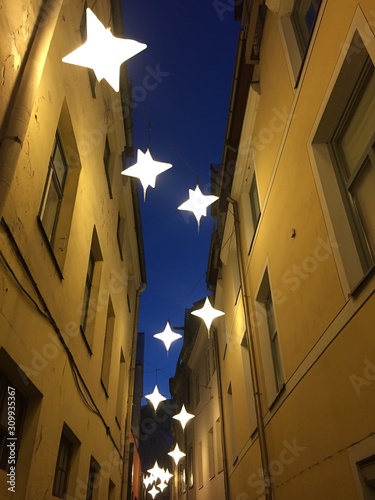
199,475
292,256
71,261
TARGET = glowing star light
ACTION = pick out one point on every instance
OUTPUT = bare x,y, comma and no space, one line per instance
155,397
146,169
154,491
183,416
167,336
207,313
103,52
162,486
198,203
156,472
177,454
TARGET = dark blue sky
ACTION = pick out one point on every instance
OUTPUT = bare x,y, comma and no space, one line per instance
181,90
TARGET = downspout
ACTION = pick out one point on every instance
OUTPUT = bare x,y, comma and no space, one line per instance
252,358
129,406
12,143
221,410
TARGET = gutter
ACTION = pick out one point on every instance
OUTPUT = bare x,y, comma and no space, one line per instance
252,358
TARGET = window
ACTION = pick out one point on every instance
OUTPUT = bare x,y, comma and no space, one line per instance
120,235
190,465
11,398
199,465
269,341
181,477
64,456
53,191
93,481
297,18
197,389
120,390
111,490
60,189
208,367
107,165
366,469
107,349
87,292
254,203
232,425
343,154
304,14
91,290
211,454
353,151
219,445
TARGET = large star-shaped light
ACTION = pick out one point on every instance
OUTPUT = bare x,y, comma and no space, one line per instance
103,52
146,169
207,313
177,454
167,336
154,491
198,203
155,397
183,416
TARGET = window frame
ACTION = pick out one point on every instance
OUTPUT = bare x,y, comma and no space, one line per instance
53,181
355,51
59,490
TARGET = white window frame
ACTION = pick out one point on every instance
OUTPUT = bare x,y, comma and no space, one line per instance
344,247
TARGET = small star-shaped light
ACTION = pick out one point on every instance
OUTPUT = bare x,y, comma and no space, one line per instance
154,491
103,52
183,416
156,472
165,476
177,454
207,313
147,480
167,336
155,397
146,169
162,486
198,203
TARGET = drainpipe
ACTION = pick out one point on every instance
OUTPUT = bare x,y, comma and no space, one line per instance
221,409
12,143
126,484
253,364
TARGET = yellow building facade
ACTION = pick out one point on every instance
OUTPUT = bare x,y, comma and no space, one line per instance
296,245
71,261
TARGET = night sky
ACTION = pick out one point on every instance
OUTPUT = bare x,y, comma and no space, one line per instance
181,90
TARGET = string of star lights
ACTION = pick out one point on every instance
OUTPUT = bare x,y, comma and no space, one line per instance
104,53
